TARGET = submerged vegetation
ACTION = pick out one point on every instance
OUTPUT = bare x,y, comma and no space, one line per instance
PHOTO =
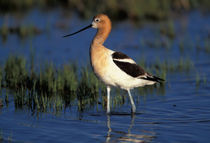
51,89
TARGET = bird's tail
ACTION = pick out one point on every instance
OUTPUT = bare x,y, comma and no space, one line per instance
153,78
157,79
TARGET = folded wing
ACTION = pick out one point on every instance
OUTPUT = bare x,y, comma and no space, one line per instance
127,65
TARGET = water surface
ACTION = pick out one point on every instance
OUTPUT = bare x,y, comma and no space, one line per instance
180,114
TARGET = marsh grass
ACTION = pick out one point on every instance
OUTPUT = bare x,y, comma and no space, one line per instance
88,90
5,139
149,90
168,29
134,9
7,98
15,72
52,89
181,47
10,137
22,31
4,31
200,80
207,45
161,68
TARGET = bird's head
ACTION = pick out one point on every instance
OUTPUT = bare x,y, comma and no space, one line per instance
100,21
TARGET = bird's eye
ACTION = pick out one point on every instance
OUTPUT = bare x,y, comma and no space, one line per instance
97,20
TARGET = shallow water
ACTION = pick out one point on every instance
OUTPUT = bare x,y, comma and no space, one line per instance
181,114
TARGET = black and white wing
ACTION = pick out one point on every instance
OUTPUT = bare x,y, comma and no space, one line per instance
130,67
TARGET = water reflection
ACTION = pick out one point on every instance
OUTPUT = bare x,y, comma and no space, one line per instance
108,137
114,135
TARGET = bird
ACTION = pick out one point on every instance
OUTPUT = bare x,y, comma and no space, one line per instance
114,68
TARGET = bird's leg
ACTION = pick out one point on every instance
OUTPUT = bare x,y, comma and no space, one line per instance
132,102
108,89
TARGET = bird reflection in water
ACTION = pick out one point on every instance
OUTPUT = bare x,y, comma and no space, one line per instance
121,136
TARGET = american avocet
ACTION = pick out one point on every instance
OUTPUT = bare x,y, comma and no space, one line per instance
114,68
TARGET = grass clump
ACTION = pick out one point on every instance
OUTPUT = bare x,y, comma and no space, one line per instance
4,31
200,80
118,100
162,68
39,90
88,89
53,89
15,72
22,31
168,29
181,65
207,45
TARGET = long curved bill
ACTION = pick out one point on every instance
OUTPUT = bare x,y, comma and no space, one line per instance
89,26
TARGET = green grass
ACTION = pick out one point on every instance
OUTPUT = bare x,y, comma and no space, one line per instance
118,100
4,32
161,68
133,9
168,29
15,72
23,31
207,45
52,89
200,79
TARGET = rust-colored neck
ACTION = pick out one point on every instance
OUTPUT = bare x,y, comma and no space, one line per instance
102,34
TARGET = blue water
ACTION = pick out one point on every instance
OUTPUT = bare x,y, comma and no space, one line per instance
181,115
